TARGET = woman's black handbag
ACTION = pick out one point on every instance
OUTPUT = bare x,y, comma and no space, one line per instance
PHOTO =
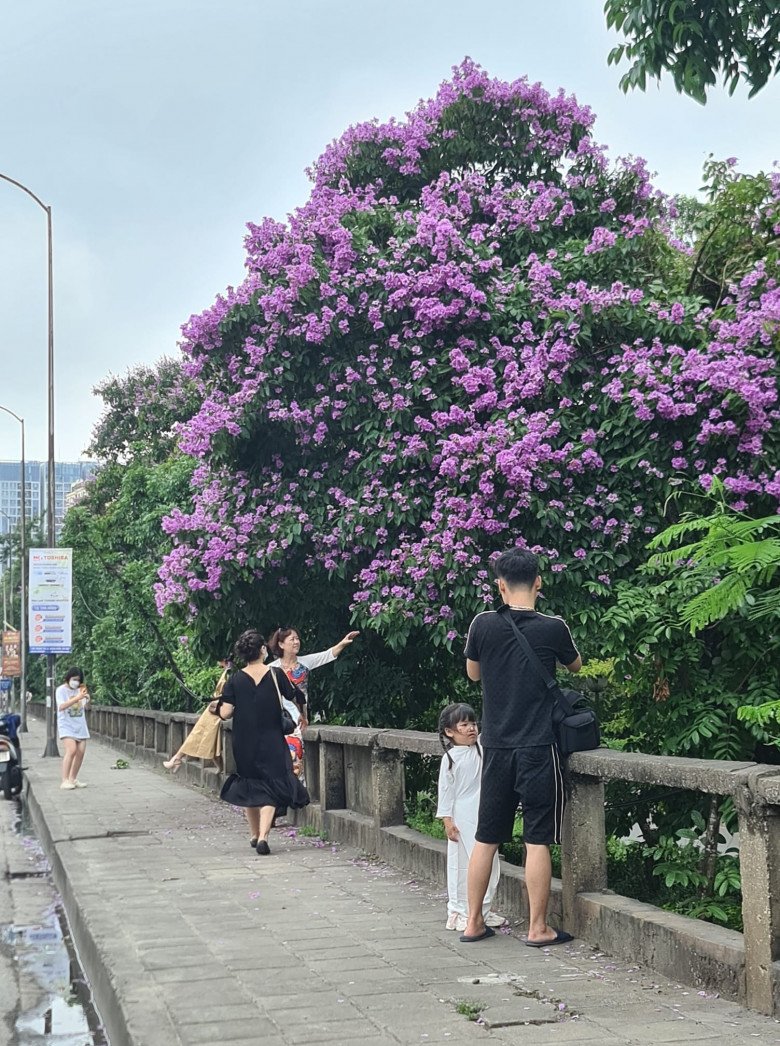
288,723
575,724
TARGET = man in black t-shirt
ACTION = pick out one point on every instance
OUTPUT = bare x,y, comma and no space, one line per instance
521,761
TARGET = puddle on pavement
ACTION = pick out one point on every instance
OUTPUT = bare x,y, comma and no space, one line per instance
63,1013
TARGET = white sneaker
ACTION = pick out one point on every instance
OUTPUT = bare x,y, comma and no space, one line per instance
67,786
460,923
80,784
452,919
494,919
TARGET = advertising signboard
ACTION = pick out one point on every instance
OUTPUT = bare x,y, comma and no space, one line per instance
12,654
50,592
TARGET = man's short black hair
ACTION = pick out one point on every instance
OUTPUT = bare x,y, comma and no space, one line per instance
516,567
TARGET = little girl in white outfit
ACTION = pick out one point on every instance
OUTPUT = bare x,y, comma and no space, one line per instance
459,784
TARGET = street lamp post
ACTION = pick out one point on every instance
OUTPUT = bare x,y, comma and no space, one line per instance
51,736
8,568
23,587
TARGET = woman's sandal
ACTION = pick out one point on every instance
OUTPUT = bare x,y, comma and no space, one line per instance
253,842
174,764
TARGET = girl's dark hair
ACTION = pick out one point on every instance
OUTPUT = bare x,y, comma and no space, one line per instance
248,646
449,719
278,636
73,672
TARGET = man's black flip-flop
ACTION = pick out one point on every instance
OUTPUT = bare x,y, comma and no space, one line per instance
487,932
561,937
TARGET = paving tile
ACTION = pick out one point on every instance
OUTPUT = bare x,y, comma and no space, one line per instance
286,994
331,1031
360,985
165,958
666,1031
458,1031
230,1031
185,975
364,963
565,1032
309,1011
210,1009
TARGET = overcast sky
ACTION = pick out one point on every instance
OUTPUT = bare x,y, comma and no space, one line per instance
157,128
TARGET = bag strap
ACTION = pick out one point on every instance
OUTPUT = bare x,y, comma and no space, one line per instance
529,652
562,706
278,691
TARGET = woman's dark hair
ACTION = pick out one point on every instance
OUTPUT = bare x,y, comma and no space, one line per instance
248,646
74,672
278,636
449,719
517,567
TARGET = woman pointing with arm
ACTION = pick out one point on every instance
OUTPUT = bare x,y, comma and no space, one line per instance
285,645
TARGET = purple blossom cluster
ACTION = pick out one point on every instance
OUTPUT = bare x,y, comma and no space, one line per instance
453,347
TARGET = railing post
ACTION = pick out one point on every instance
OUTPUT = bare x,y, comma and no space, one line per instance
387,782
759,862
161,733
332,784
584,851
177,731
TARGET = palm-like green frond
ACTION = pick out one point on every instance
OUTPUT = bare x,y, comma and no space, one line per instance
734,561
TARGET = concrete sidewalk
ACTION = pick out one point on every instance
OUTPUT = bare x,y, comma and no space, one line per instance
187,936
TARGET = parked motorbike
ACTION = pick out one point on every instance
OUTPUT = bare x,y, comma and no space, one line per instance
10,755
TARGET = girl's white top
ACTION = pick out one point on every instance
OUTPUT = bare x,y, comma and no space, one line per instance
73,721
299,675
459,786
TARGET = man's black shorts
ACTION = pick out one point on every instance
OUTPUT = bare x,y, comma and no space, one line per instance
526,777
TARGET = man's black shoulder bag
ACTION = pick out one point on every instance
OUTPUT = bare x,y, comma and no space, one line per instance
574,723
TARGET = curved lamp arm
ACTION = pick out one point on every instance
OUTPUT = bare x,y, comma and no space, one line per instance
13,181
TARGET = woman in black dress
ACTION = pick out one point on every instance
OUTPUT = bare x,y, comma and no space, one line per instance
264,779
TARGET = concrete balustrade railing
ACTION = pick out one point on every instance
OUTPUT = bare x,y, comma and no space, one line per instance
356,781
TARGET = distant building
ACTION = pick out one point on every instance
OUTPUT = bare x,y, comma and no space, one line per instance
67,474
78,491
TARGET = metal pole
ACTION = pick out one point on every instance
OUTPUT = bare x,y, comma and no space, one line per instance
23,592
11,583
10,697
6,567
51,712
23,582
51,735
10,622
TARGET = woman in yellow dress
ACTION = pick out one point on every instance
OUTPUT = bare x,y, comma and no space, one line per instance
204,741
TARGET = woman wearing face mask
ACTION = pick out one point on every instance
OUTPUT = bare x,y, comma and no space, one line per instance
72,700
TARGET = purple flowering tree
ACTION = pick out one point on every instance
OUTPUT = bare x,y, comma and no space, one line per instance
477,332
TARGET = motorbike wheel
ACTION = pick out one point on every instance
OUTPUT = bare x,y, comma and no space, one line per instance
16,781
7,784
